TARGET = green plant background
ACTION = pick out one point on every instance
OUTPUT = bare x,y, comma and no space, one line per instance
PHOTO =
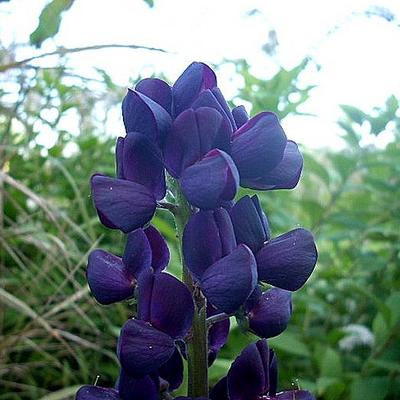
343,340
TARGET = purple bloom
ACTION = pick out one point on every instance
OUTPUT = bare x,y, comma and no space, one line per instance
122,204
157,90
269,313
196,78
139,160
285,175
227,274
208,236
128,388
250,223
286,261
229,282
258,145
112,279
211,181
240,115
193,134
253,376
166,312
90,392
143,349
142,114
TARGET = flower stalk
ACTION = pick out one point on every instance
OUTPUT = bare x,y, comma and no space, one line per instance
197,349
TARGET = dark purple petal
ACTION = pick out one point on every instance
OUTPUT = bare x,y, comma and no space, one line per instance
109,280
258,146
191,398
249,227
220,390
247,378
211,181
294,394
253,298
240,115
166,303
142,163
287,261
130,388
208,236
221,100
122,204
192,135
159,248
157,90
285,175
262,216
119,150
226,232
137,255
196,78
273,373
90,392
142,114
271,314
142,349
212,98
217,334
172,371
229,282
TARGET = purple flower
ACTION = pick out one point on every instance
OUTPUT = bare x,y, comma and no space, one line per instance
122,204
128,388
165,315
112,278
142,114
226,273
269,313
286,261
254,376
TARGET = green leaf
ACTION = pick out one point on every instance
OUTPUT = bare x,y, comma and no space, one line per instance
290,343
371,388
49,21
150,3
313,166
330,364
390,366
380,328
354,113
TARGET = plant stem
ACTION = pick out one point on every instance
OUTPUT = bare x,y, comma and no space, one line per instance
197,354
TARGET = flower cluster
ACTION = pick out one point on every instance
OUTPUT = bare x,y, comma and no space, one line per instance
189,133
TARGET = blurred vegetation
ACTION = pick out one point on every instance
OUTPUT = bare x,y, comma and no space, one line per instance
343,340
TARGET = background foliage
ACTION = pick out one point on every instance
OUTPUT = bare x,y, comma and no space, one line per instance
343,341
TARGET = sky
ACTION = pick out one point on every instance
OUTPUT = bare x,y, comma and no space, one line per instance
359,63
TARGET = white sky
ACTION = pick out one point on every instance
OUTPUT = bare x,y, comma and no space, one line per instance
359,62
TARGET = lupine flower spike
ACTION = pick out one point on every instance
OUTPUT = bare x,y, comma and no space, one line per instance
232,265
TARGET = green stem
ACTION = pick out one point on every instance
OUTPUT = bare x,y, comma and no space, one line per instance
197,346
